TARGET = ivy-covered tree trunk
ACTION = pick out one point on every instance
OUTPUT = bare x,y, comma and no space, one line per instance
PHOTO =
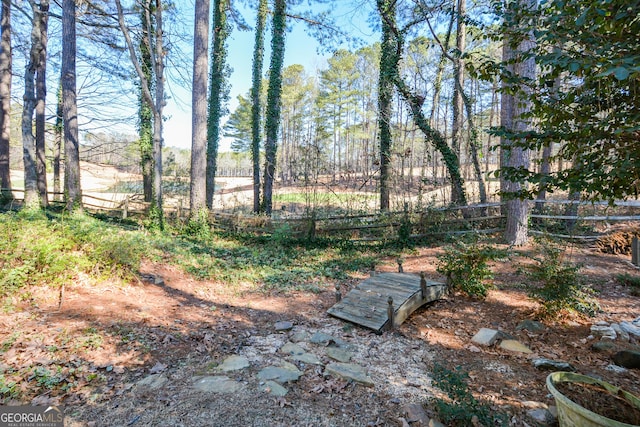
388,68
272,121
145,113
458,76
41,96
256,89
5,100
515,105
198,196
72,188
218,94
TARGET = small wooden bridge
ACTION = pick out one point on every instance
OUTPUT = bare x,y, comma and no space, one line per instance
385,300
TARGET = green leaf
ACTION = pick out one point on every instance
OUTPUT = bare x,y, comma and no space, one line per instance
620,73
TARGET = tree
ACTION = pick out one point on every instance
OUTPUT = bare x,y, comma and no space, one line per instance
153,13
256,90
239,126
593,118
272,122
73,189
5,99
388,70
198,197
218,94
145,113
41,97
58,130
515,111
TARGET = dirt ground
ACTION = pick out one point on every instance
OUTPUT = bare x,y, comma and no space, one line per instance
107,338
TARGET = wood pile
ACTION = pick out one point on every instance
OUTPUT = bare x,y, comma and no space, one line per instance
618,243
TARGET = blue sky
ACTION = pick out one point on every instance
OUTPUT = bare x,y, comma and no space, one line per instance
300,49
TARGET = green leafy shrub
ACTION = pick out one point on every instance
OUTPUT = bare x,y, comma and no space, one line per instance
466,266
461,407
561,287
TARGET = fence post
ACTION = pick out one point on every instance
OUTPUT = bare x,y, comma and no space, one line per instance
125,209
635,251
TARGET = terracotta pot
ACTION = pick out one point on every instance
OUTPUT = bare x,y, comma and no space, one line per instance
570,414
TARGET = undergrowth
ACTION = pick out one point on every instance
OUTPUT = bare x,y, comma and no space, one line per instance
461,408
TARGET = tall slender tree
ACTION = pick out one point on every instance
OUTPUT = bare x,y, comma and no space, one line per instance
198,197
272,121
145,113
57,142
73,189
41,97
256,90
5,99
516,104
218,94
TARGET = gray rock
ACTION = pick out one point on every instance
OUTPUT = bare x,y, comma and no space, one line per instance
603,346
515,346
631,328
486,336
283,326
290,348
339,354
299,336
541,416
531,326
627,359
605,332
435,423
152,382
308,358
616,369
280,374
553,365
326,339
415,413
622,334
273,388
349,371
233,363
217,384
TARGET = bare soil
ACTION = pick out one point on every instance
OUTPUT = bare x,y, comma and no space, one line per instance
107,337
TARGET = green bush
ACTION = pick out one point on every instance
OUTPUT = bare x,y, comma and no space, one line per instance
560,288
462,407
466,266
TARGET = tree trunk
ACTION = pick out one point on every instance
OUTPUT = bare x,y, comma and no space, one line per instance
5,96
514,106
31,196
41,96
458,76
198,197
256,89
388,67
145,112
218,91
57,143
73,191
273,101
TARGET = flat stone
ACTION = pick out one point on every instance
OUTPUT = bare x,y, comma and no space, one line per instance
283,326
415,413
152,382
553,365
299,336
326,339
603,331
616,369
627,359
541,416
435,423
308,358
290,348
516,346
486,336
349,371
217,384
233,363
280,374
273,388
622,334
603,346
631,328
531,326
339,354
